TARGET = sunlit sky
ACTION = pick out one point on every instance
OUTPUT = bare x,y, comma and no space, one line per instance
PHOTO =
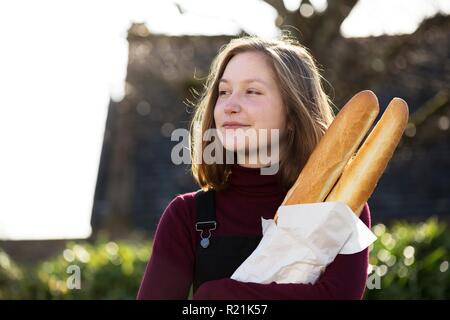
60,63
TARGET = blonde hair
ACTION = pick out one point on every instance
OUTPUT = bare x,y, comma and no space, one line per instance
307,108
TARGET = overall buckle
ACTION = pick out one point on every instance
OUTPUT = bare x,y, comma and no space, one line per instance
208,226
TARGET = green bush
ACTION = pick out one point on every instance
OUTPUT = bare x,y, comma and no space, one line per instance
410,260
108,270
11,276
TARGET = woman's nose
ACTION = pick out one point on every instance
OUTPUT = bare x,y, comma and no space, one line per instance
232,105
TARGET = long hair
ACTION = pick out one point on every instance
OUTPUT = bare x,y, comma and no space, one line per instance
307,107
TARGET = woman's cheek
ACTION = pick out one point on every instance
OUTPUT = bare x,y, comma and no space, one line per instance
217,114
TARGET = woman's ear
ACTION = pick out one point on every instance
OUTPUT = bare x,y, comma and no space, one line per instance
290,128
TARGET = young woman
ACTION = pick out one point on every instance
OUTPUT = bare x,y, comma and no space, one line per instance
203,236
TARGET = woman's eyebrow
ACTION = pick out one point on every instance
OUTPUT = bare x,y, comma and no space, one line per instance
248,81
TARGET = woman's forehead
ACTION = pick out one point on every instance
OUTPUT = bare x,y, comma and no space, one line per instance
249,80
248,67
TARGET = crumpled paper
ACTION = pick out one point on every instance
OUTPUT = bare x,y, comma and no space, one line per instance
306,239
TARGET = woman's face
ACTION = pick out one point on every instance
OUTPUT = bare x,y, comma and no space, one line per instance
248,95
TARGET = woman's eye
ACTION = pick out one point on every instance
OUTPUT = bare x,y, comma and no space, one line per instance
253,92
221,92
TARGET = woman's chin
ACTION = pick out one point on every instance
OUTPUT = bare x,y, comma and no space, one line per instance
234,148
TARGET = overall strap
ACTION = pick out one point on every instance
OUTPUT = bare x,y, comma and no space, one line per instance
221,257
206,215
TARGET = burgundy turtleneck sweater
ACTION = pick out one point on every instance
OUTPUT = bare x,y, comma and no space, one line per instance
239,209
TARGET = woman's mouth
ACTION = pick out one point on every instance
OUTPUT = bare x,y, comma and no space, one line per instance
235,126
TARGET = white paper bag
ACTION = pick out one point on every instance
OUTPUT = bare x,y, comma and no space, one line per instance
306,239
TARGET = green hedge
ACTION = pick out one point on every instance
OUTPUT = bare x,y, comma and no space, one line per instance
412,261
408,261
107,269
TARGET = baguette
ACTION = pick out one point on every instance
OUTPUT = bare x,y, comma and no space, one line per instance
361,175
338,144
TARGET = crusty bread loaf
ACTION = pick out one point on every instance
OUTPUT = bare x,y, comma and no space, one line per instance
361,175
338,144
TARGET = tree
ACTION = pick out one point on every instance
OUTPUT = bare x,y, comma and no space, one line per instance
318,30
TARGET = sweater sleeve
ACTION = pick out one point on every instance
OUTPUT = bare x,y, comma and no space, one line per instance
168,274
344,278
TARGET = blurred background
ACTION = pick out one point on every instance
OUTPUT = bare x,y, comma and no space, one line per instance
91,92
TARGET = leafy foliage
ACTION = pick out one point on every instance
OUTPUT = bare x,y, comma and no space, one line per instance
410,260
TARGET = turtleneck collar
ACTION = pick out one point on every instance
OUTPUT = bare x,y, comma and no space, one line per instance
250,181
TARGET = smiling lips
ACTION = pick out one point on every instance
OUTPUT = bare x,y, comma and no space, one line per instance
234,125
